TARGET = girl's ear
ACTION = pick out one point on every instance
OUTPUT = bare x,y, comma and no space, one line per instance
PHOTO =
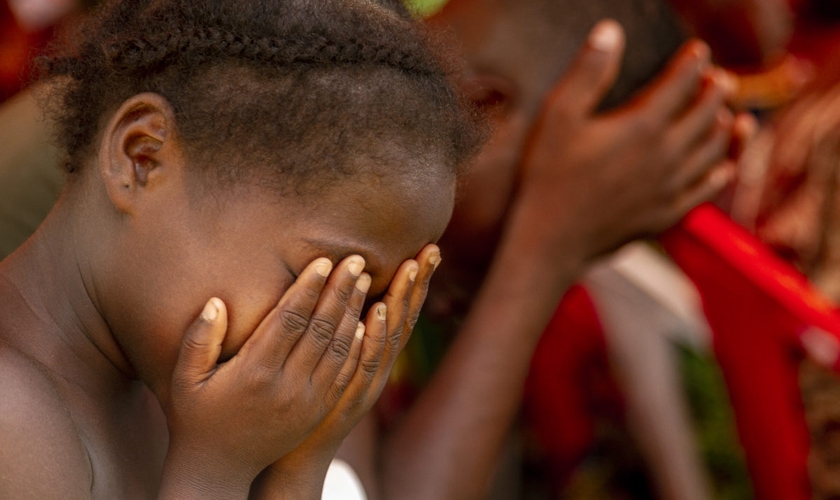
139,150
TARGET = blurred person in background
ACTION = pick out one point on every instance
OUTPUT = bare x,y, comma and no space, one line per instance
558,185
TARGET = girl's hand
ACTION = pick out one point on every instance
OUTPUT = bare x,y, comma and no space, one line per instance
388,327
228,421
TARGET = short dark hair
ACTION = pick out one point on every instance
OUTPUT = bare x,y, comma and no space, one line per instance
304,87
653,34
554,30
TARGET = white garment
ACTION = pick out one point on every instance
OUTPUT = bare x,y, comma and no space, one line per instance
645,305
342,483
639,282
34,15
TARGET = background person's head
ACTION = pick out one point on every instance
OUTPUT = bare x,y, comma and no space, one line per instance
217,147
516,52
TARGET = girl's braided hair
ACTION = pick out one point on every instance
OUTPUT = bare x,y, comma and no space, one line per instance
303,87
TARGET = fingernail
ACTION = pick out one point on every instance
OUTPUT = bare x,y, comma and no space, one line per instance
363,283
702,51
323,267
360,331
381,312
356,266
726,82
701,60
412,273
211,310
605,36
435,259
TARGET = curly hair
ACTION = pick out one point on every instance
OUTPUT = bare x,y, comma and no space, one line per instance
295,88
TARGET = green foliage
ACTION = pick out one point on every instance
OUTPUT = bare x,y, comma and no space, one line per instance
714,426
424,8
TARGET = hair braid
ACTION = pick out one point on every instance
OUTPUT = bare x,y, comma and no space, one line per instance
147,53
303,85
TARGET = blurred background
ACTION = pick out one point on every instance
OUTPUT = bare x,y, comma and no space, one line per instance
786,58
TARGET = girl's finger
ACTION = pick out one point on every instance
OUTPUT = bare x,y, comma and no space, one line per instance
327,316
397,299
363,367
202,345
284,325
336,355
429,259
345,375
365,384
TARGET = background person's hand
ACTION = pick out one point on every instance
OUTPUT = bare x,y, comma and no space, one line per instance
741,32
229,421
632,172
300,474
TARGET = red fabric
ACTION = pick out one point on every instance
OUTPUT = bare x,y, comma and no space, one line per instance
709,236
17,48
815,39
796,5
818,43
757,306
570,385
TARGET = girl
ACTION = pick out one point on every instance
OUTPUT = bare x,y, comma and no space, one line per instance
244,177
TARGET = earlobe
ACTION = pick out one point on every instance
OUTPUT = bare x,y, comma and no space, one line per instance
138,149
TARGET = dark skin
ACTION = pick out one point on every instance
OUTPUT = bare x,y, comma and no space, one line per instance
110,353
557,185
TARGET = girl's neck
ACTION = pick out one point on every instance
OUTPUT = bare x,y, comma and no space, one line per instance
51,311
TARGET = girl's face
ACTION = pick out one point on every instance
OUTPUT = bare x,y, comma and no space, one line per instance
246,246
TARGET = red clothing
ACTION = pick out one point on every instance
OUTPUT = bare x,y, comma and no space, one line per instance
17,52
570,385
757,344
758,308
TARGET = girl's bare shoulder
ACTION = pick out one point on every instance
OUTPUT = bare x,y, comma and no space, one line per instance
41,453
